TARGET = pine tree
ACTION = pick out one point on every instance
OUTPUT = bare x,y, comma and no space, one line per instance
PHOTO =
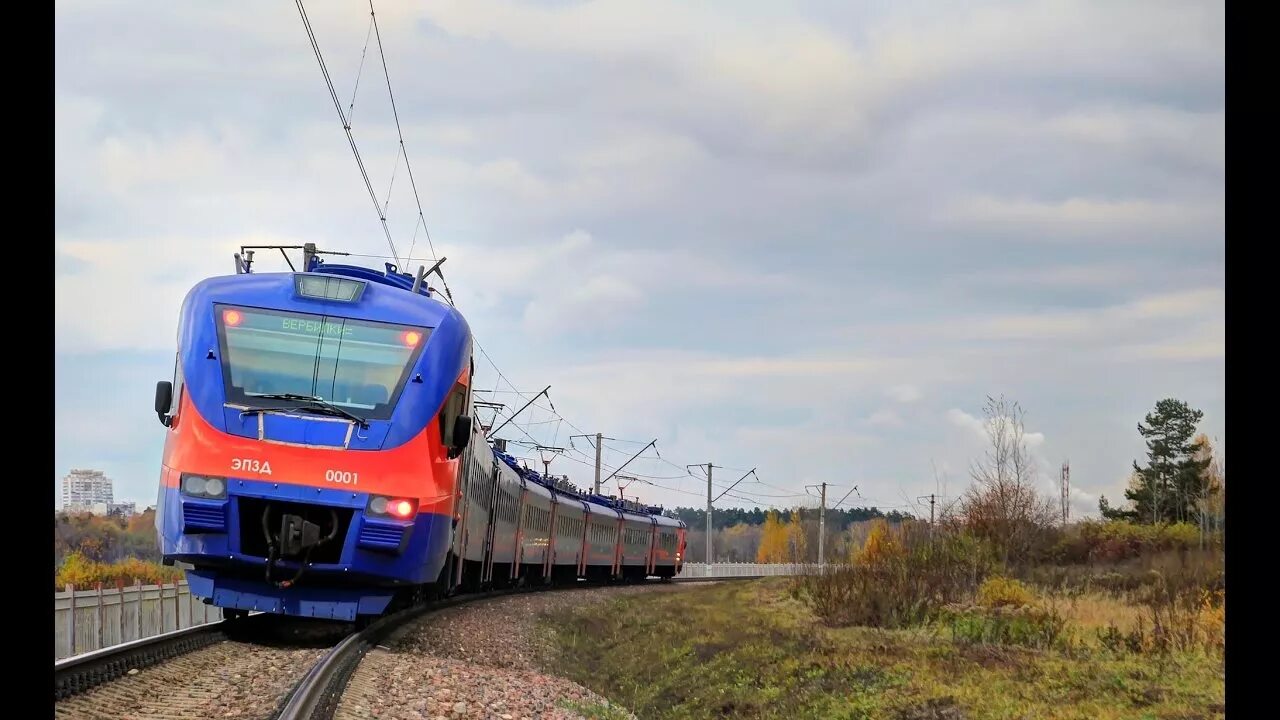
1173,482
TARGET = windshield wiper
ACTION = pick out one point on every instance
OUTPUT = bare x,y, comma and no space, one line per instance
319,405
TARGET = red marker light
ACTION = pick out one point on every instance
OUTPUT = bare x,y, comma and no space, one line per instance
401,508
231,318
411,338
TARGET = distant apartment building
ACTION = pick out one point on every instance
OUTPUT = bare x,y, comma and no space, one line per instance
82,489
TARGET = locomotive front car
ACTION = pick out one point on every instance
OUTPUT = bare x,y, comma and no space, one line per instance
315,423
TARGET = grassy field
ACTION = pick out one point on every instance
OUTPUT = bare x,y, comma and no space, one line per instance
752,649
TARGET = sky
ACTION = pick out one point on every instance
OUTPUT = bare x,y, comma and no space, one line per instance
805,238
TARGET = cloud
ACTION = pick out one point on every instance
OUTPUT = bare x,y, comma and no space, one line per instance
1181,325
962,419
885,418
978,427
1082,219
903,393
1083,504
1169,135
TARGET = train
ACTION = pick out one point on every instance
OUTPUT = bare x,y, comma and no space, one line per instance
322,457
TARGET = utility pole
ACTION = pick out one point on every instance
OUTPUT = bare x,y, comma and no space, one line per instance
599,443
600,438
709,466
709,531
822,528
822,522
933,498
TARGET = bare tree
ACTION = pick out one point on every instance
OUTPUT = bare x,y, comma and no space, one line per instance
1003,503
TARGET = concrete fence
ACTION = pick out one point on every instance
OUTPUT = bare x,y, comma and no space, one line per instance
88,620
701,570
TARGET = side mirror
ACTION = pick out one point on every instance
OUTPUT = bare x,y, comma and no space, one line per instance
462,431
164,399
461,435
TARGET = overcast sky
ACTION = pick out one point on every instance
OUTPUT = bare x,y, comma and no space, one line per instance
807,238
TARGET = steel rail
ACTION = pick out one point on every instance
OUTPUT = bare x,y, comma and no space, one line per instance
316,695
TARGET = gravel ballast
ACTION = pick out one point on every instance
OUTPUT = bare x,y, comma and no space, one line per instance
481,660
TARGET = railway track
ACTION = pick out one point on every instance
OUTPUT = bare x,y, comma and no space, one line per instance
257,666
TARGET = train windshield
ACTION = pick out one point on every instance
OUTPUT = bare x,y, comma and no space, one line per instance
356,364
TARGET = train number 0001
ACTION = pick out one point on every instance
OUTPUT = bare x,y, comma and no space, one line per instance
339,476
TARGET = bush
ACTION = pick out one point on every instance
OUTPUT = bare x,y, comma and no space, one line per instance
1202,569
901,577
1119,540
999,591
85,574
1025,625
882,546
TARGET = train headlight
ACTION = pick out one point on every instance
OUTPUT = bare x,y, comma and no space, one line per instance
400,508
204,487
215,487
328,287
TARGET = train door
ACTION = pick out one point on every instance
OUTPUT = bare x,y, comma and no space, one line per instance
522,522
491,527
582,541
549,553
620,527
462,507
652,560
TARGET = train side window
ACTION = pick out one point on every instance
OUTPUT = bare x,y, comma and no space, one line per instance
175,402
454,405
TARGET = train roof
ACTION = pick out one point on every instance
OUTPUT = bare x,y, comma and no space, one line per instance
375,299
562,486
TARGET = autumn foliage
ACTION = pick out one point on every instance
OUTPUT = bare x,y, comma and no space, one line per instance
105,539
90,549
85,574
782,541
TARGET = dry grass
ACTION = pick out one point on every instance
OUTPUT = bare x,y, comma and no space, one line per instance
751,650
1091,612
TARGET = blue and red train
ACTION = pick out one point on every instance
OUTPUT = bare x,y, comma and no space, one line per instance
321,459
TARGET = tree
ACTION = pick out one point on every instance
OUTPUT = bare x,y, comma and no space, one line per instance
1003,504
741,542
797,539
773,540
1173,481
1212,502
